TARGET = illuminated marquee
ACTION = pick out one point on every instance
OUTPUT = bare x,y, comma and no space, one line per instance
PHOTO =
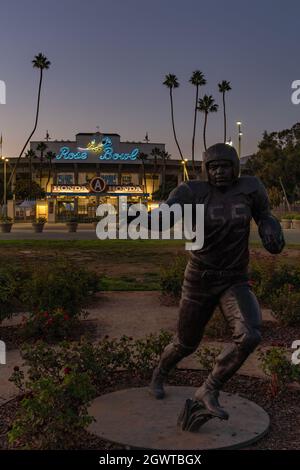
70,188
96,185
66,154
104,150
124,189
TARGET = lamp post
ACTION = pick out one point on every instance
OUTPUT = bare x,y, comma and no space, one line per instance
5,160
239,124
185,173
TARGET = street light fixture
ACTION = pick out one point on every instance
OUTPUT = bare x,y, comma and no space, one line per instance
5,161
239,124
185,173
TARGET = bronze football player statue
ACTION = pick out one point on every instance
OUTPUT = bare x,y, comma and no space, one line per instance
216,275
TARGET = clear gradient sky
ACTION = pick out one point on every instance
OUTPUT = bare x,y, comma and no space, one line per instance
109,58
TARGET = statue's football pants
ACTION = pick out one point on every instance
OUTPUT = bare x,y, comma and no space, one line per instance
202,292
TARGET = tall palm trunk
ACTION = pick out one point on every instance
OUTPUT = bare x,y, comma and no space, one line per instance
41,168
34,128
30,176
194,129
224,114
49,173
204,131
163,185
173,124
144,173
154,172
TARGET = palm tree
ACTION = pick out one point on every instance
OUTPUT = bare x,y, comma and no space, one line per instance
206,105
223,87
41,147
197,79
143,157
30,155
42,63
171,82
164,156
155,152
49,156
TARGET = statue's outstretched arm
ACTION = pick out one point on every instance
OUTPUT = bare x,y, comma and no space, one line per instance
269,228
181,195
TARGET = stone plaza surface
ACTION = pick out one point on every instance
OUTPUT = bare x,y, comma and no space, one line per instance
108,317
133,418
58,231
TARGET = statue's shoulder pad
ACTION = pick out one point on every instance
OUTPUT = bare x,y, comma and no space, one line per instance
249,184
198,188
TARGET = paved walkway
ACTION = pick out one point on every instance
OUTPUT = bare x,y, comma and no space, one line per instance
135,314
24,231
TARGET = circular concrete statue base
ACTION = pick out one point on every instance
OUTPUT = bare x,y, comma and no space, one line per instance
134,418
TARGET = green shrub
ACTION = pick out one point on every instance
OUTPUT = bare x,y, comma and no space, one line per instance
11,281
285,305
207,356
146,351
171,277
260,273
217,326
62,381
53,412
279,368
61,284
41,220
5,220
288,216
268,276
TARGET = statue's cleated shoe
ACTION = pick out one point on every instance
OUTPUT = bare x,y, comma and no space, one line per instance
209,399
156,386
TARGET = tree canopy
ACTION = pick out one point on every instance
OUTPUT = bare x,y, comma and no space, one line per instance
278,161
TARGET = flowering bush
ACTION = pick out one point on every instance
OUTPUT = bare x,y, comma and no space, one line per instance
53,411
56,324
62,381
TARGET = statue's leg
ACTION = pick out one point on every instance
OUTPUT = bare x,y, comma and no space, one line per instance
196,308
242,311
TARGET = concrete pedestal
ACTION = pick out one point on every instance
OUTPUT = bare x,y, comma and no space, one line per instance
134,418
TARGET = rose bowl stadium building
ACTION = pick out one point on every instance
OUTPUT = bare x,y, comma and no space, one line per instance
93,169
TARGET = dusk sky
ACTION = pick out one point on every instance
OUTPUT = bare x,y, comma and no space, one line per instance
109,59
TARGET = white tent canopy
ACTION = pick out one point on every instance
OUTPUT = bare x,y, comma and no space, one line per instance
27,204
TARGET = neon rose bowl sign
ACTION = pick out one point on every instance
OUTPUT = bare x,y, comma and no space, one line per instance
104,150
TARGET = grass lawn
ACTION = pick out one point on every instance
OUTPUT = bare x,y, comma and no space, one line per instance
124,264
